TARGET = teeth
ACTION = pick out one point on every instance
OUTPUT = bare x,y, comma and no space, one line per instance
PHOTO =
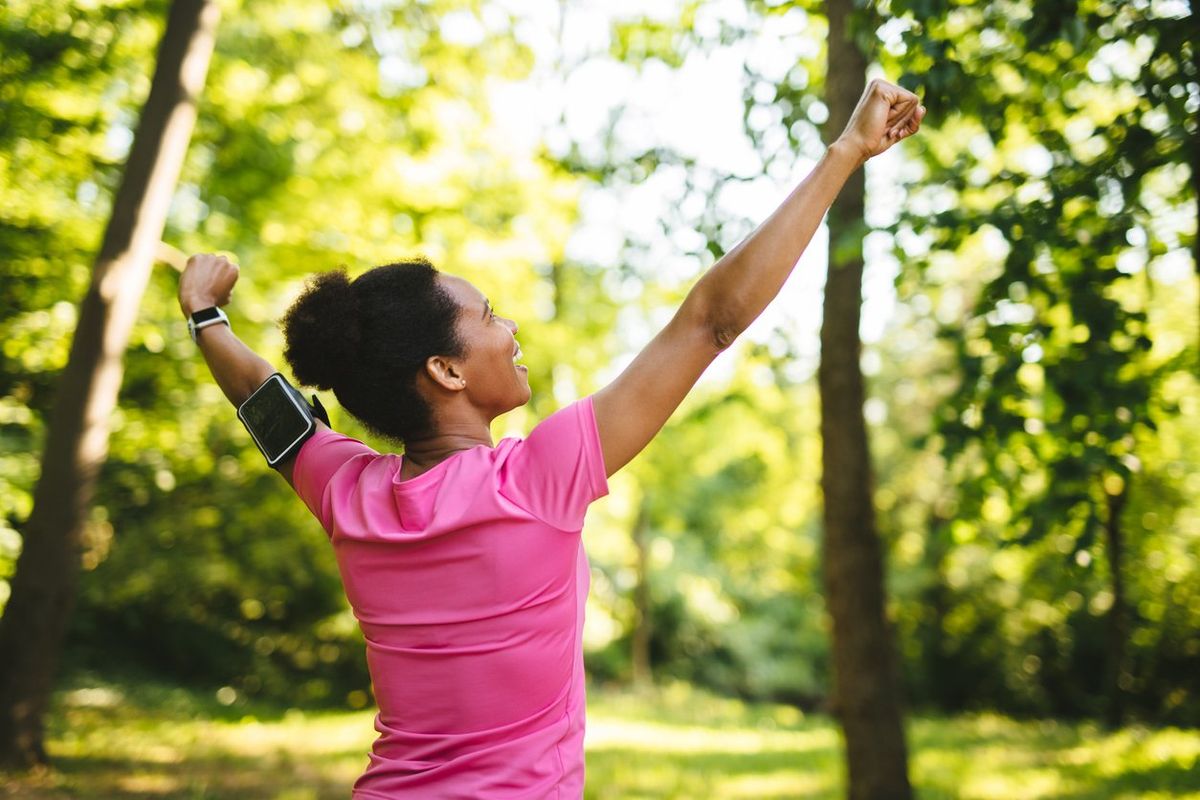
518,354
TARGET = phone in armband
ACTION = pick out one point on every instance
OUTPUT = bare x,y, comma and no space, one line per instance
278,419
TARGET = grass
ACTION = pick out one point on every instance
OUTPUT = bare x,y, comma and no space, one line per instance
682,743
149,742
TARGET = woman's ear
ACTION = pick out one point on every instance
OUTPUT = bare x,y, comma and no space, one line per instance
445,373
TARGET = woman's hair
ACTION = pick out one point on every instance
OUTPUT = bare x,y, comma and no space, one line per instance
366,340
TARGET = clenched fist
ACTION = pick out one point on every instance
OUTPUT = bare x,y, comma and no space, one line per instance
207,281
885,114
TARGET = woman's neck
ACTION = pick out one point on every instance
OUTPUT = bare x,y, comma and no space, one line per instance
425,453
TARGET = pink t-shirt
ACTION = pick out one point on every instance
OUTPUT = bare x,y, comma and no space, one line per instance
469,583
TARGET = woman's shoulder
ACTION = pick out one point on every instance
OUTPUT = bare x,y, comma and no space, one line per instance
329,453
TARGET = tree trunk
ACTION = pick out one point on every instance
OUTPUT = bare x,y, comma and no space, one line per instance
1118,614
1196,193
44,586
643,626
866,694
1194,21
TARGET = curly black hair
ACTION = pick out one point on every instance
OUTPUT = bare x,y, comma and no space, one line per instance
367,339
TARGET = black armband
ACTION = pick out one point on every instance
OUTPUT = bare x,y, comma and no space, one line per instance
279,419
318,410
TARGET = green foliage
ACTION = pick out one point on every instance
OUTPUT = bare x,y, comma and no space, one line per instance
1052,206
635,41
728,490
1041,357
355,134
66,78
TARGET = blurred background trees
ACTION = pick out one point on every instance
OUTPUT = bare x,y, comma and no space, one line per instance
1067,135
1030,326
45,582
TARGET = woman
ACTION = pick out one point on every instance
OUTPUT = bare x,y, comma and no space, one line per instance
462,558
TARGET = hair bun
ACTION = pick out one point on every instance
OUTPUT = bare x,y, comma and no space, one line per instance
322,331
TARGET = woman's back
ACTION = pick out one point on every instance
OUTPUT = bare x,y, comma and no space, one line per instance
469,583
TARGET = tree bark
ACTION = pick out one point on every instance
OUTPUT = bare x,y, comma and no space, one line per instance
1194,21
1196,195
44,586
866,693
1118,614
643,626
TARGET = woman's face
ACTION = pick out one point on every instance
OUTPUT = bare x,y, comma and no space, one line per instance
494,381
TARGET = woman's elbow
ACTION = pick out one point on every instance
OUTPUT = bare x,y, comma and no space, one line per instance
716,321
724,332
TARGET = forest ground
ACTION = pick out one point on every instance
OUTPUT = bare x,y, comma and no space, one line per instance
147,741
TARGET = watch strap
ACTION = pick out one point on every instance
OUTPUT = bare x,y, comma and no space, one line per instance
204,317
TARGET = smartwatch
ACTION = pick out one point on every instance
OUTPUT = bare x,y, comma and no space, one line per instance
205,317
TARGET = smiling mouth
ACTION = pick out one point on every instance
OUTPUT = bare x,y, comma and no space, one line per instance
517,355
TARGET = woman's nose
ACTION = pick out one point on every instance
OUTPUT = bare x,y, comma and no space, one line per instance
512,324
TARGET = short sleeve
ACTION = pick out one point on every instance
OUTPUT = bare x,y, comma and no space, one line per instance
321,457
558,470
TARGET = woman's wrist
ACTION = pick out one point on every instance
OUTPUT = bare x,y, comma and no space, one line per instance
191,304
846,154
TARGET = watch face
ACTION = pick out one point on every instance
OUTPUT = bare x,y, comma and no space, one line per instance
205,315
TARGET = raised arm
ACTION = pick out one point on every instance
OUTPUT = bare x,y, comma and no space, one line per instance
208,281
731,295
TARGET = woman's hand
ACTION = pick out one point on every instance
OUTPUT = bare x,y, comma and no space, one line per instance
885,114
206,281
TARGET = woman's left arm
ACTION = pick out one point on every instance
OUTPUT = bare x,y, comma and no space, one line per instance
731,295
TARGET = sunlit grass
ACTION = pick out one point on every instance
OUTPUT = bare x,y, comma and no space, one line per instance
145,741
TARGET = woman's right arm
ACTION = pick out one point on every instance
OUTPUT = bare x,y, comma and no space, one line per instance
732,294
207,281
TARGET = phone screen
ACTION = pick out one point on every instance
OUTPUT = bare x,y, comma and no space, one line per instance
274,419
